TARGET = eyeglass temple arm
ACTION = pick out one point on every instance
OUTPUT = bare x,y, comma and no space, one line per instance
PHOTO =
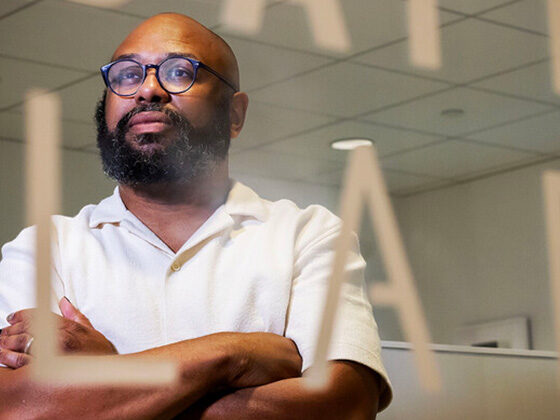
219,76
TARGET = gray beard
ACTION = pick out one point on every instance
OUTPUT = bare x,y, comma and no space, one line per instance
192,154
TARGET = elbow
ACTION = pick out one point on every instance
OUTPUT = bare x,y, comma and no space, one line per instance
355,393
351,404
363,408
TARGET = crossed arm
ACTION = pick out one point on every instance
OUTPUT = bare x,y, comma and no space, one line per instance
226,375
352,394
21,398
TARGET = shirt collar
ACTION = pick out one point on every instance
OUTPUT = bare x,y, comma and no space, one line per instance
109,210
241,201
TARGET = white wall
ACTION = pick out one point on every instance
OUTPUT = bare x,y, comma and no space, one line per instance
11,190
478,252
83,182
302,193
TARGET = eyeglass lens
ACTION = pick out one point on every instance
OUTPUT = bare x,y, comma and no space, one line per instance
175,75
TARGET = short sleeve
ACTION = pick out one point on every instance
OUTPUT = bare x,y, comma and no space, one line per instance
17,276
355,335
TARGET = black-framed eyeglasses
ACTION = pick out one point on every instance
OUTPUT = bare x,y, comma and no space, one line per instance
175,74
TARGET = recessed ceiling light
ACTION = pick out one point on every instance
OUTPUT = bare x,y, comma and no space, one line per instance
453,112
350,143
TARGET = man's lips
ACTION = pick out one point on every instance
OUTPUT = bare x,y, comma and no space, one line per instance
149,122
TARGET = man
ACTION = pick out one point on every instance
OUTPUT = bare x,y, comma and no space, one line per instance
181,262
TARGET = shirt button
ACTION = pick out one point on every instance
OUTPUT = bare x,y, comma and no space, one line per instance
175,267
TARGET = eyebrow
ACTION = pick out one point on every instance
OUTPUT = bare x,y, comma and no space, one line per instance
167,55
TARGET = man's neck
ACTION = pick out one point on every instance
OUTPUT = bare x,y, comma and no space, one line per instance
174,211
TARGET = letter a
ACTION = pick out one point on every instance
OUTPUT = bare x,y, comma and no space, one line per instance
364,182
325,17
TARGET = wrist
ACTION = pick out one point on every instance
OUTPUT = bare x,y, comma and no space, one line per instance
211,357
232,358
238,359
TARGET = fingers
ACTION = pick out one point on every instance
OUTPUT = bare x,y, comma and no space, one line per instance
24,318
16,337
69,311
14,359
21,322
18,328
20,316
17,343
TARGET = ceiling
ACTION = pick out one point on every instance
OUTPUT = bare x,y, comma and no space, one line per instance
495,69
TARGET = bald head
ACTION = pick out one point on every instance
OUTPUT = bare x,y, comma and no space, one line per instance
182,34
214,96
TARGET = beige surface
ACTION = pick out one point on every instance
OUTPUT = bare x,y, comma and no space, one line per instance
551,187
475,386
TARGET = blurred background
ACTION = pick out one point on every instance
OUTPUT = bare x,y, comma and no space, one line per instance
462,148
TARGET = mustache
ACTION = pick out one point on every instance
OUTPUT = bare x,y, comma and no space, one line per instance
176,119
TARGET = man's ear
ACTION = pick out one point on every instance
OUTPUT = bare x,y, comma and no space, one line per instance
237,112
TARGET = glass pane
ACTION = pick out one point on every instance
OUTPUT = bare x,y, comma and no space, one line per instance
462,149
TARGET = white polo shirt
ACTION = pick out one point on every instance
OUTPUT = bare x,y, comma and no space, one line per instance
254,265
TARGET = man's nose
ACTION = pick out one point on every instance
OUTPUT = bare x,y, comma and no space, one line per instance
151,91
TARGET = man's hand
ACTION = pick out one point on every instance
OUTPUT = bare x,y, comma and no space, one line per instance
75,335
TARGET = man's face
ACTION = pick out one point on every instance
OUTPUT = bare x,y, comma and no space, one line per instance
154,136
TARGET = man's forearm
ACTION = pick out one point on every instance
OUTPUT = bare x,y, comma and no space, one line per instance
201,366
352,394
100,402
206,364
